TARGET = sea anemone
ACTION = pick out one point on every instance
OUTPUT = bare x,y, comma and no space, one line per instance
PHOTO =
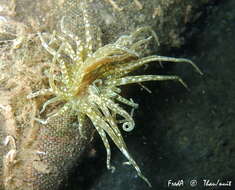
88,81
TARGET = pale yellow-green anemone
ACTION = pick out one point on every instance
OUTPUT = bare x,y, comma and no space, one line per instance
88,81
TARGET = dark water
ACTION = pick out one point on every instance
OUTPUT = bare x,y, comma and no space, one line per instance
180,134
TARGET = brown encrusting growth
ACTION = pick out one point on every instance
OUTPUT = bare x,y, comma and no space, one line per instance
29,146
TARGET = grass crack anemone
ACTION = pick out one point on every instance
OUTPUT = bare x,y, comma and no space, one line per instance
88,82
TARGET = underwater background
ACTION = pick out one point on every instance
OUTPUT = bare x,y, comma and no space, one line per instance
180,134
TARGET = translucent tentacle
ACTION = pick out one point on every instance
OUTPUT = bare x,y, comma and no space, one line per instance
102,126
77,56
140,42
61,111
145,29
144,78
40,93
97,121
52,77
67,48
129,124
50,101
79,47
127,102
173,59
46,46
112,49
88,31
124,69
81,120
134,164
107,147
